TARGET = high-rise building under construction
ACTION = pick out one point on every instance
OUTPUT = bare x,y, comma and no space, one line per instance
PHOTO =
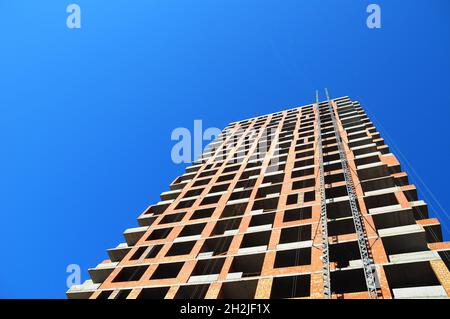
304,203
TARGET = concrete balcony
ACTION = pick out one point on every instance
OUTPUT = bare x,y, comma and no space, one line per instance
132,235
364,149
373,170
170,195
101,272
404,239
83,291
415,279
146,220
392,216
118,253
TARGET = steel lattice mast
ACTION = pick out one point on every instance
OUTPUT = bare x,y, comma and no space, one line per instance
363,242
323,210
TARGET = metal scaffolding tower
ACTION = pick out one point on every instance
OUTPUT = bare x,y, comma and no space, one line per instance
323,210
363,242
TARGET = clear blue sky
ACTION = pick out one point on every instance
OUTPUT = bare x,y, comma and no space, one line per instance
86,115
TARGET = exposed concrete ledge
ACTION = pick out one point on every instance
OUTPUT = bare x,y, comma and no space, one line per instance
116,254
382,191
187,238
295,245
365,166
132,235
401,230
165,202
102,271
259,228
415,256
385,209
420,292
249,250
234,275
205,255
237,201
231,232
337,199
203,278
363,146
368,155
83,291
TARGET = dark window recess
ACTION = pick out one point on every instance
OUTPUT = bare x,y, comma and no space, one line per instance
169,270
182,248
246,183
297,214
123,294
203,213
172,218
153,252
263,219
105,294
256,239
240,194
334,178
130,273
291,287
303,183
341,227
266,205
192,292
409,275
207,173
339,209
224,178
208,266
334,192
217,245
159,233
210,200
249,265
191,230
310,196
348,281
381,200
231,168
292,199
219,188
224,225
304,154
193,192
185,204
201,182
138,253
234,210
294,257
153,293
343,253
303,172
247,174
295,234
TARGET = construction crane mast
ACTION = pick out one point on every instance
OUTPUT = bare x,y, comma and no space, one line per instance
323,210
363,242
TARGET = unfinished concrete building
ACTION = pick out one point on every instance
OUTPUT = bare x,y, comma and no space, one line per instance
303,203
